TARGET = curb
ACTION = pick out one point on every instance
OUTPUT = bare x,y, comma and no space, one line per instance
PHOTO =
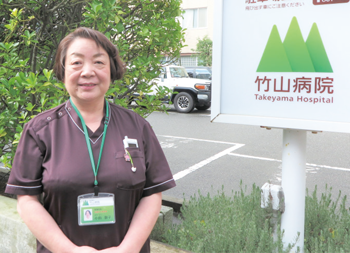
175,203
159,247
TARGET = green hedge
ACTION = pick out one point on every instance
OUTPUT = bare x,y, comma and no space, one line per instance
237,223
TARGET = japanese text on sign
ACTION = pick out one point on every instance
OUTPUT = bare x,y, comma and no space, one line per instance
271,4
307,84
320,86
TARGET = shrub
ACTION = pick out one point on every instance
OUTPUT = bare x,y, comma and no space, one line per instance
204,50
144,31
327,223
22,96
222,223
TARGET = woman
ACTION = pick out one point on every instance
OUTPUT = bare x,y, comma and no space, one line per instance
91,152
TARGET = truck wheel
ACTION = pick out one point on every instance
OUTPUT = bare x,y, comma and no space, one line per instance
183,102
202,107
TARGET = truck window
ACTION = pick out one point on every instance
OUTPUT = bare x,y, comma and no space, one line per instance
189,72
163,73
178,72
203,74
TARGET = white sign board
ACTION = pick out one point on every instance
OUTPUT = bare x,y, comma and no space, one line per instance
282,63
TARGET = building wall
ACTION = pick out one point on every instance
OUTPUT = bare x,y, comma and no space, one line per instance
193,34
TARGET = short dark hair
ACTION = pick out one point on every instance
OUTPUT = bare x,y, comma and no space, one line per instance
116,64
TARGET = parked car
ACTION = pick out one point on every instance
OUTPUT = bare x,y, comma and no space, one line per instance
199,72
188,93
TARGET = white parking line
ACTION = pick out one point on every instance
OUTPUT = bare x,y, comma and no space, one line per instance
194,139
275,160
228,151
199,165
256,157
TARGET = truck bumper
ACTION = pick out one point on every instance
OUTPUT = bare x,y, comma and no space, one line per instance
204,97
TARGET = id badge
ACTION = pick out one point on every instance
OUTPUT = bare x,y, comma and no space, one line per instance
96,210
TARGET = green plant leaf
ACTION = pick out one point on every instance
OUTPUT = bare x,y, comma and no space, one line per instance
47,73
30,107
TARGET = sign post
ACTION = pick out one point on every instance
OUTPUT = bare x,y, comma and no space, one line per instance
283,64
293,184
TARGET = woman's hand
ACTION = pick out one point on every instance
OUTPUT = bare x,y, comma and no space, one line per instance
114,250
84,249
142,223
44,228
110,250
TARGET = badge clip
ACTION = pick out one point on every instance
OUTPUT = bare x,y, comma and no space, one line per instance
96,190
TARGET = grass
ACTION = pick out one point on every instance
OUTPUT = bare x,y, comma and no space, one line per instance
237,223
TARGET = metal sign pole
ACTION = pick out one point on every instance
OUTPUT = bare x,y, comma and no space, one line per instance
293,184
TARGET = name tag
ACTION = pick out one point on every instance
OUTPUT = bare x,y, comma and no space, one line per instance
96,210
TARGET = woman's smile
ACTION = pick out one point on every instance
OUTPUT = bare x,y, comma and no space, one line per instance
87,85
87,74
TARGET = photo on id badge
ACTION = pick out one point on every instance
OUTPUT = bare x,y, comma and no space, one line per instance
88,215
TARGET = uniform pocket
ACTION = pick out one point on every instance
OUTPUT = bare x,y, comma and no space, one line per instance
127,178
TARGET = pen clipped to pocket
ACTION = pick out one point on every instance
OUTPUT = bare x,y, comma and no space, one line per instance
130,143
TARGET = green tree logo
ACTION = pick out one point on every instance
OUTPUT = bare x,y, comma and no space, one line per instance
294,54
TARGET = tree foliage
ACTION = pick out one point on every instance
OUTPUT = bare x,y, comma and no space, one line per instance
143,30
204,49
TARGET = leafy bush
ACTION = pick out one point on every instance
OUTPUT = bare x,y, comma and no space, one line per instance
22,96
144,31
238,224
224,224
327,223
204,50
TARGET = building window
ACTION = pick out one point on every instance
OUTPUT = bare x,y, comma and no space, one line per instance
166,60
195,18
189,61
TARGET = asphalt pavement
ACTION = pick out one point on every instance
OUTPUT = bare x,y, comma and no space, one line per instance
207,157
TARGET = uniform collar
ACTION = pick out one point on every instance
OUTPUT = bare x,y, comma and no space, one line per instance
94,136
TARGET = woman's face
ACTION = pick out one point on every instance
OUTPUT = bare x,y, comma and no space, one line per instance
87,71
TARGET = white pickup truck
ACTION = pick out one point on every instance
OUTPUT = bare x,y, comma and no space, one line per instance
188,93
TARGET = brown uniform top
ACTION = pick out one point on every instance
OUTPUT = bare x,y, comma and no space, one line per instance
52,158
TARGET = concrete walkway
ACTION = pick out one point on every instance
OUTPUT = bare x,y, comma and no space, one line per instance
158,247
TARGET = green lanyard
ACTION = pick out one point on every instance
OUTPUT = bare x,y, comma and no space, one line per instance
94,169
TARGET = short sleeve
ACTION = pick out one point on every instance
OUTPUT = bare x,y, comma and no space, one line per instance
158,174
26,173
